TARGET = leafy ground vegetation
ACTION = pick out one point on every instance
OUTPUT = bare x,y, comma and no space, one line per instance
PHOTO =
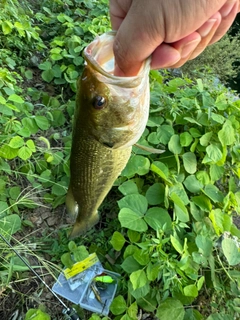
170,224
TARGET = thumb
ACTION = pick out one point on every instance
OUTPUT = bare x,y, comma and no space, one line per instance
134,41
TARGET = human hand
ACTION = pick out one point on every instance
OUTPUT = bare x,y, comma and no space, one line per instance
172,32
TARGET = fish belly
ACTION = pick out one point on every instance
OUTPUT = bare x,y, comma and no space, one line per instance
93,169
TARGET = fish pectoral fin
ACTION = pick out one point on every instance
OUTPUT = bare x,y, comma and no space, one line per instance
149,149
80,228
71,204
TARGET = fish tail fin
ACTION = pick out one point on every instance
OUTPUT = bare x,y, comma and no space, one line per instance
83,226
71,204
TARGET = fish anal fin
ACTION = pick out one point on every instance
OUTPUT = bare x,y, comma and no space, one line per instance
149,149
71,204
80,228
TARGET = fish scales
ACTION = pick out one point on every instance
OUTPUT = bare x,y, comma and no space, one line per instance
110,116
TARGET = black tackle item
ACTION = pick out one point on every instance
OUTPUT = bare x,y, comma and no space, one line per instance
69,312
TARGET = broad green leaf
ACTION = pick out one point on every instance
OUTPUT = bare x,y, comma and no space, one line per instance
195,133
15,98
7,27
203,177
231,251
193,314
130,265
185,139
189,162
138,279
136,202
176,244
227,134
202,202
205,139
190,291
128,187
214,153
200,283
193,184
24,153
133,236
174,144
217,117
136,165
155,194
142,257
180,191
10,224
158,219
14,192
204,244
181,210
117,241
133,310
7,152
16,142
160,169
170,307
164,133
216,217
80,253
216,172
31,145
48,75
132,220
36,314
42,122
213,193
118,305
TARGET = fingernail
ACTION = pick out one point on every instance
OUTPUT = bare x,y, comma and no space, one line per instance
226,9
188,48
206,28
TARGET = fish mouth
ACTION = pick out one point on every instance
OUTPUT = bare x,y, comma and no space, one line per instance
100,56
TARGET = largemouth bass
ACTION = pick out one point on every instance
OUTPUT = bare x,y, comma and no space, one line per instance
110,116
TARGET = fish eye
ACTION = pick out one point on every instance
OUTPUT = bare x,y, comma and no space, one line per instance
99,102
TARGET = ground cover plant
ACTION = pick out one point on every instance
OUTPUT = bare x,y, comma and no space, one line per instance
170,224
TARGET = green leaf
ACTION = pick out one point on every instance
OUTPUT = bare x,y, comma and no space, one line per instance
214,153
213,193
48,75
36,314
42,122
128,187
174,144
170,307
231,251
160,169
189,162
10,224
130,265
80,253
133,236
67,260
15,98
132,220
24,153
202,202
7,27
31,145
176,244
193,184
164,133
181,210
117,241
227,134
7,152
138,279
133,310
205,139
118,305
190,291
136,165
204,244
158,219
185,139
16,142
216,172
136,202
155,194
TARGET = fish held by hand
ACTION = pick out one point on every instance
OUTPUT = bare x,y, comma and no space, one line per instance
110,116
